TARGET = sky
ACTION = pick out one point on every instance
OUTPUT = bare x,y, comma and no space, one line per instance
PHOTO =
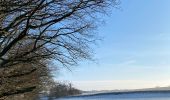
134,52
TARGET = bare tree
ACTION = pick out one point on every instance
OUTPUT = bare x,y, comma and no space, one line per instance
63,89
34,32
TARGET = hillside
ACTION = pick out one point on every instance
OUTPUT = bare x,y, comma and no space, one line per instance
156,89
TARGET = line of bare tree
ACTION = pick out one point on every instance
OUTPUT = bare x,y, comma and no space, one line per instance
34,33
62,89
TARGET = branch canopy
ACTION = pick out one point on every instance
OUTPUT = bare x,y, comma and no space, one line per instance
34,33
60,30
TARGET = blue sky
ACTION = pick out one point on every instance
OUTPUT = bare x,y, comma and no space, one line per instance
134,53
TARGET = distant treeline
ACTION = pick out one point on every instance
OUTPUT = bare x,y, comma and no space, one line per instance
63,89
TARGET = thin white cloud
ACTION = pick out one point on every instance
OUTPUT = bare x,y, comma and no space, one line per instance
127,62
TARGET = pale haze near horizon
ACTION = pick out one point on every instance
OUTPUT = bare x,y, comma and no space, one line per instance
134,52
